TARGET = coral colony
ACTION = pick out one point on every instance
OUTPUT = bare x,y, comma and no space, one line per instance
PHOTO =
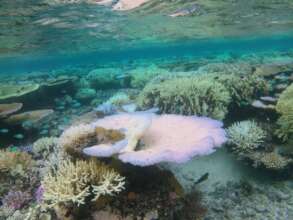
146,110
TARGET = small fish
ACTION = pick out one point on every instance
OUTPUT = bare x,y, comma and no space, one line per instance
19,136
4,130
202,178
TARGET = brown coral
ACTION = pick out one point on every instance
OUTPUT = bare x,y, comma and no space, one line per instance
7,109
74,139
32,116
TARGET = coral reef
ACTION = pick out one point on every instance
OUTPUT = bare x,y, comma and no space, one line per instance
75,138
8,92
249,200
243,88
191,95
7,109
141,76
103,78
30,116
16,199
44,146
159,137
15,163
285,108
85,94
270,160
73,182
245,136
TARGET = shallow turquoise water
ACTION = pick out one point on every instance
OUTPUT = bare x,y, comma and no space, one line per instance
150,52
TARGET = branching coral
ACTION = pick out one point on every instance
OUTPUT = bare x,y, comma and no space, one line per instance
285,108
270,160
16,199
15,163
44,146
243,89
245,136
74,182
188,96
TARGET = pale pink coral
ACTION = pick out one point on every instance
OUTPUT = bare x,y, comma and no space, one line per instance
169,138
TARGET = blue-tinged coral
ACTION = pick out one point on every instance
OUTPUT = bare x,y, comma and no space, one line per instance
285,108
16,199
103,78
141,76
245,136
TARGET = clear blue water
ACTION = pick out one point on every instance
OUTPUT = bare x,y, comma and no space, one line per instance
149,52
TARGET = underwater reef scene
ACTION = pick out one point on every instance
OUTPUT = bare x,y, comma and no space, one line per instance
146,110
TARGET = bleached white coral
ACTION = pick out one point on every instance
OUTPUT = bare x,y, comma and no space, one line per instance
245,136
73,182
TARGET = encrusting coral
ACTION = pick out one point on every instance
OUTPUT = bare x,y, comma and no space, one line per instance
245,136
285,108
188,95
74,182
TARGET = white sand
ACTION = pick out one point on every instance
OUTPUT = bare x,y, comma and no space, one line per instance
221,166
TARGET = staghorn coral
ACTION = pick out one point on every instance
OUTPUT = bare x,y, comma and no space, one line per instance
270,160
44,146
74,182
285,108
15,163
245,136
188,95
